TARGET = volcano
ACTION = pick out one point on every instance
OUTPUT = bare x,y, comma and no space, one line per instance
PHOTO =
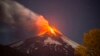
49,42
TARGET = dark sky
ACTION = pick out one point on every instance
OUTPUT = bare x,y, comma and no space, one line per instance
72,17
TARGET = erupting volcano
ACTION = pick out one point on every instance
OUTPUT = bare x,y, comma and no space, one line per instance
48,42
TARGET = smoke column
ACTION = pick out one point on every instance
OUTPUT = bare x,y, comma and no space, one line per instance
17,22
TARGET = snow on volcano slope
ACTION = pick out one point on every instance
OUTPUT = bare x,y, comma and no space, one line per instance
44,46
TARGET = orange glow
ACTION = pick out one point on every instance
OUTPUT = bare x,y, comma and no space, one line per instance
52,30
45,28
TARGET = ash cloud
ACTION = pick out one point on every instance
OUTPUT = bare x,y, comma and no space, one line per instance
16,22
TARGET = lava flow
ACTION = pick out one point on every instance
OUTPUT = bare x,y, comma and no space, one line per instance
45,29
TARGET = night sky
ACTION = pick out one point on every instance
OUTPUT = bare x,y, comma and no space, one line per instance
72,17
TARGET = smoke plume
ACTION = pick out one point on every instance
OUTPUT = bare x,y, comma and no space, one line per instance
17,21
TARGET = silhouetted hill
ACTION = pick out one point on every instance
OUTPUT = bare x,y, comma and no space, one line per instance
8,51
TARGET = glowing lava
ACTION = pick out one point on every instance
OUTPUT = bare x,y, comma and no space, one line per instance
44,27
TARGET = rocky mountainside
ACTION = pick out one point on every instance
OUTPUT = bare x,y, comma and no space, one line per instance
44,46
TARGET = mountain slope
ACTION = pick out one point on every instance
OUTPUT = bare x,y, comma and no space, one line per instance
44,46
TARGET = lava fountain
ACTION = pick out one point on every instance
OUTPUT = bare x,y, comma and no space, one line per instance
44,28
